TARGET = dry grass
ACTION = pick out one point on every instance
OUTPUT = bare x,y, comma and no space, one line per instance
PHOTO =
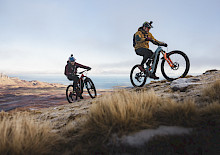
121,113
178,114
125,111
212,92
21,134
204,139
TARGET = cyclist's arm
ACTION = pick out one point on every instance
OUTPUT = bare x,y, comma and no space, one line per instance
78,65
154,41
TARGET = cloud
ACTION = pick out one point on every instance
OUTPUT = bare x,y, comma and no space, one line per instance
99,33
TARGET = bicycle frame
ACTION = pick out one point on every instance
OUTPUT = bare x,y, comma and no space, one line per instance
156,57
82,80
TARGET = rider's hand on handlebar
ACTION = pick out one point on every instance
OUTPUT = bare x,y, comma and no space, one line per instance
89,69
163,44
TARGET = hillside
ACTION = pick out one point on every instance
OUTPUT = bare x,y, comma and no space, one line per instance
179,117
16,82
179,90
23,95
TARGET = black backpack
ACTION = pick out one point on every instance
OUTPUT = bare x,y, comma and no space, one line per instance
134,42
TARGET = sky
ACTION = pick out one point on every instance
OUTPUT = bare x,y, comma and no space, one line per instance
37,37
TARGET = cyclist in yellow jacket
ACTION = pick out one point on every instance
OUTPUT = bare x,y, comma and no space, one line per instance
142,38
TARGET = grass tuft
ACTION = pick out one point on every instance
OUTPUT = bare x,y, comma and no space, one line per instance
21,134
181,114
211,93
124,112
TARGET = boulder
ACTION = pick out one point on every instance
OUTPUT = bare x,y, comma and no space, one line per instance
183,83
210,71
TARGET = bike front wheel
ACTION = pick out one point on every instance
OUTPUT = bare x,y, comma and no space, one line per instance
71,94
180,66
137,77
90,88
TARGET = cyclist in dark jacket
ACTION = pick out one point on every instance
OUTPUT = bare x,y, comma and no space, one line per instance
142,38
71,71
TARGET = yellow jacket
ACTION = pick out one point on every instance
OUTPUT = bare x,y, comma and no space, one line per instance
140,37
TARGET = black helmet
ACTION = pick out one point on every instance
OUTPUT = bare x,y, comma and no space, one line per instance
147,24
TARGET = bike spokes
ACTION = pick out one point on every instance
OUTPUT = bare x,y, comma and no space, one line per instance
71,94
137,77
90,88
176,65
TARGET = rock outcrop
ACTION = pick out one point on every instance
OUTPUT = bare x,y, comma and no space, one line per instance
183,84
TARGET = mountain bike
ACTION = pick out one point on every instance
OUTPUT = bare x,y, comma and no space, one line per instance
72,93
174,65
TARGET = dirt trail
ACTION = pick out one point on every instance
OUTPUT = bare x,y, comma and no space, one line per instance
29,98
24,98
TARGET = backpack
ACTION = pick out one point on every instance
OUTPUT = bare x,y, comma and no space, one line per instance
134,42
66,69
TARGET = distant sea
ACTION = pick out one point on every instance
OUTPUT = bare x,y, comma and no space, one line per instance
101,82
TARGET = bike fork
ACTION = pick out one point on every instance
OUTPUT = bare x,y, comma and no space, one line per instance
169,61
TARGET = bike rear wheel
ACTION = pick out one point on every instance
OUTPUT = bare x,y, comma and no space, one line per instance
71,95
181,65
137,77
90,88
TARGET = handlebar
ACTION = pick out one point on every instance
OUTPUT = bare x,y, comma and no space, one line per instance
83,71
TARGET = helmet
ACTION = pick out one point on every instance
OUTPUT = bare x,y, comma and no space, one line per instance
147,24
72,59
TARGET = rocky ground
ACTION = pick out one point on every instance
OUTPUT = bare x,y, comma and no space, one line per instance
179,90
185,88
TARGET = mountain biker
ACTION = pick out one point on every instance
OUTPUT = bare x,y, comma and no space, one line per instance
71,71
142,38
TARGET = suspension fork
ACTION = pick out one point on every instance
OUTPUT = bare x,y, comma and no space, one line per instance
169,61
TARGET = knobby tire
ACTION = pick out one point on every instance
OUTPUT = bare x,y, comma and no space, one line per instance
132,76
90,88
71,96
186,69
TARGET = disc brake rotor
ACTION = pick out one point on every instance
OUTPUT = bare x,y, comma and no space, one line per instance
175,66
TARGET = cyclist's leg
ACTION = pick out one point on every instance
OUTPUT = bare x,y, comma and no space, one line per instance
145,52
75,81
70,77
82,85
157,60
